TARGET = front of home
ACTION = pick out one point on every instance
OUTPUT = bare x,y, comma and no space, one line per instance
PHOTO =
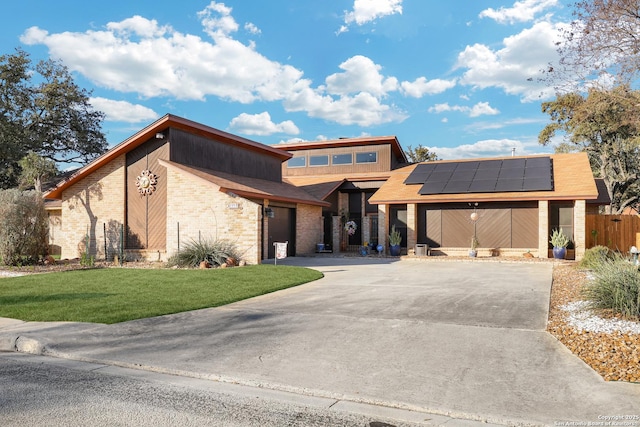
178,181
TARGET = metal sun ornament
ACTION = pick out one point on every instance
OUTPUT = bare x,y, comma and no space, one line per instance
146,182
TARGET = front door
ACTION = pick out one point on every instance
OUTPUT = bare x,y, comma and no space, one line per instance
282,228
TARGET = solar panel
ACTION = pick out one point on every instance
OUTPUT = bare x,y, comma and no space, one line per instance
511,173
509,185
540,184
432,188
420,173
483,186
454,187
484,176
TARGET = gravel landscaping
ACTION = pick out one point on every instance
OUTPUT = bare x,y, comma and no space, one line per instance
609,344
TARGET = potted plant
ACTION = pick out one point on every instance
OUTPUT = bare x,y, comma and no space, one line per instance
473,250
395,239
559,241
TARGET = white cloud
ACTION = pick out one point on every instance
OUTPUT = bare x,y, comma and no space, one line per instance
516,67
521,11
481,149
217,20
139,56
361,75
421,86
261,124
369,10
480,109
123,111
251,27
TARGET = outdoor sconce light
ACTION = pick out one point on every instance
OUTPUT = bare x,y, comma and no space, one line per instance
474,214
634,254
269,213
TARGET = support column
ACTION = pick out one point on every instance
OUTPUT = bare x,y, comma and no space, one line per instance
543,229
412,227
383,226
579,228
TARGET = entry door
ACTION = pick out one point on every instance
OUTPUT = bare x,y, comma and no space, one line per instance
282,228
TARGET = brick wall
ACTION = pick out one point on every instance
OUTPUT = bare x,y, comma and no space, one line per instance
88,205
309,228
203,212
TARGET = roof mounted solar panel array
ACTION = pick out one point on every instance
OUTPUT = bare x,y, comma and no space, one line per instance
484,176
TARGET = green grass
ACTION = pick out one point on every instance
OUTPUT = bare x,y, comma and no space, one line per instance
113,295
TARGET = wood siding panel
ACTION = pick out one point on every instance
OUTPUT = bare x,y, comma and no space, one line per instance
147,215
456,228
617,232
499,225
493,228
524,225
383,164
198,151
434,228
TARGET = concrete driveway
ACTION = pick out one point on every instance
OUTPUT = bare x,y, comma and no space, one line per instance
463,339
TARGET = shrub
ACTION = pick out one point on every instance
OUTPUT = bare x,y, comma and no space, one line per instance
215,252
595,256
616,287
23,227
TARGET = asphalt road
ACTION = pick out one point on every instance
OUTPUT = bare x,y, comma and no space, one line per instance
43,391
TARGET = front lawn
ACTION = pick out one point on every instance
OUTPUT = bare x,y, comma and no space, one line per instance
113,295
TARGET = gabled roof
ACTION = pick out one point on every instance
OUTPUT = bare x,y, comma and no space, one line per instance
250,188
572,180
347,142
160,126
322,186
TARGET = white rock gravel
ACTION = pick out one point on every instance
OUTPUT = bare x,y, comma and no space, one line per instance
582,318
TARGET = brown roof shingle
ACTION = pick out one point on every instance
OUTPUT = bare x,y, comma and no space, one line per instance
573,180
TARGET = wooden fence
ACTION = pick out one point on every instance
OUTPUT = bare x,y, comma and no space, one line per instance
618,232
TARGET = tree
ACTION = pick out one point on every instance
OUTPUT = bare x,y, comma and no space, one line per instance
420,154
34,170
604,38
44,111
605,125
23,227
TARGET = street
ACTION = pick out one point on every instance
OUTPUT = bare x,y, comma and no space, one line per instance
44,391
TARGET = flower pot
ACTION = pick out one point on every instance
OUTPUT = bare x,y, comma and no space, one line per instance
559,253
394,250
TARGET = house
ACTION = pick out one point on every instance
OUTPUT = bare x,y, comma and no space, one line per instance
345,173
177,181
509,204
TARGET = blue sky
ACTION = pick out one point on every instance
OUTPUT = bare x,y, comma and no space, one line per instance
459,77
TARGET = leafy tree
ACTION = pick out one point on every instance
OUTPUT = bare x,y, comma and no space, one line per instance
420,154
44,111
35,169
23,227
605,125
604,38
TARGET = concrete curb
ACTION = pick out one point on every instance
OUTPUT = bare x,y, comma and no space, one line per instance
316,398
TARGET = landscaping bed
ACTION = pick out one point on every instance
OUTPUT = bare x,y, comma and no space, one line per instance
613,354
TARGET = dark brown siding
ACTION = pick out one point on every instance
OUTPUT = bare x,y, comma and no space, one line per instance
198,151
147,215
499,225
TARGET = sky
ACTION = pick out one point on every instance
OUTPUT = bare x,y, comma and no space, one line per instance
460,77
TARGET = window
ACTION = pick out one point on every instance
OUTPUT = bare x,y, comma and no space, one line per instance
366,157
342,159
297,162
319,160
